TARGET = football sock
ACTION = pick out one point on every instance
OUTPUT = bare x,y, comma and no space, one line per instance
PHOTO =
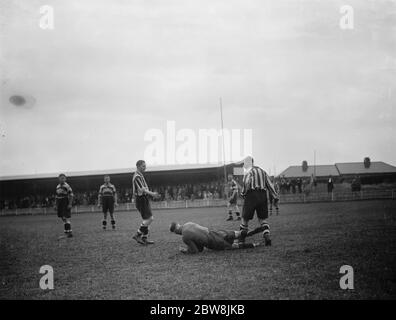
266,228
243,227
67,227
143,231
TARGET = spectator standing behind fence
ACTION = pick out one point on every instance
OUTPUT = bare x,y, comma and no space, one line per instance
356,184
299,185
330,185
312,182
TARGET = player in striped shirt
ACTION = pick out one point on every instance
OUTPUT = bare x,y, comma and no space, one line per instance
64,201
107,198
256,184
233,198
141,193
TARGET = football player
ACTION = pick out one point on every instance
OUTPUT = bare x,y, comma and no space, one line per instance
197,237
256,184
107,198
64,201
232,202
142,193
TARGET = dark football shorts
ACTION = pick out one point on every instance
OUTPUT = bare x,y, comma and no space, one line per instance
255,201
233,200
62,208
143,206
220,239
108,204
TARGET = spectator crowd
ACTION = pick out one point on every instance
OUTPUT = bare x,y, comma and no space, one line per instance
209,190
190,191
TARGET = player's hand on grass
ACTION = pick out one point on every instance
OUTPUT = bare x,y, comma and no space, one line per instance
183,250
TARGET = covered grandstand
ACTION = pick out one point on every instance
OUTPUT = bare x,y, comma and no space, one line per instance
195,181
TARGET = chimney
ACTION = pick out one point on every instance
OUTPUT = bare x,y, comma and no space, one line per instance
367,162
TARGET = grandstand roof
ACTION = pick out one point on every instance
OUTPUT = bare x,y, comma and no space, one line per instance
319,170
161,168
342,168
359,168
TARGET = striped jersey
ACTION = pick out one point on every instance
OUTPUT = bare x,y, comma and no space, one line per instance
138,183
63,190
257,179
107,190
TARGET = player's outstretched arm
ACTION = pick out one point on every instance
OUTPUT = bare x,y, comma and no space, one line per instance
115,199
192,248
99,199
151,193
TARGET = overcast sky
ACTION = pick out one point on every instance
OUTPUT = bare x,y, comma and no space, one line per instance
111,70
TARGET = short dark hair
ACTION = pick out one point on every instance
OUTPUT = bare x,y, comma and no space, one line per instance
173,226
106,175
62,175
139,163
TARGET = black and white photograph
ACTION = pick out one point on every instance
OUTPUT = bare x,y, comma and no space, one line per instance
213,152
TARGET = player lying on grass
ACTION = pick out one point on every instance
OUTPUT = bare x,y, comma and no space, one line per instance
197,237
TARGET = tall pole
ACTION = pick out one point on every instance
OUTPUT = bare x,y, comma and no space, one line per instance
315,164
222,135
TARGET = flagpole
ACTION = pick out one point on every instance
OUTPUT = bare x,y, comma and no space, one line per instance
315,164
222,134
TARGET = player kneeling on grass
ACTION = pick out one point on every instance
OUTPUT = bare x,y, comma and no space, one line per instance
197,237
64,200
141,194
107,198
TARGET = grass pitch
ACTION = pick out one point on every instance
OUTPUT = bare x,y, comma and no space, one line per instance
310,244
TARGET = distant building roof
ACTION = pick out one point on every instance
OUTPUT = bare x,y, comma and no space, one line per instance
318,170
359,168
